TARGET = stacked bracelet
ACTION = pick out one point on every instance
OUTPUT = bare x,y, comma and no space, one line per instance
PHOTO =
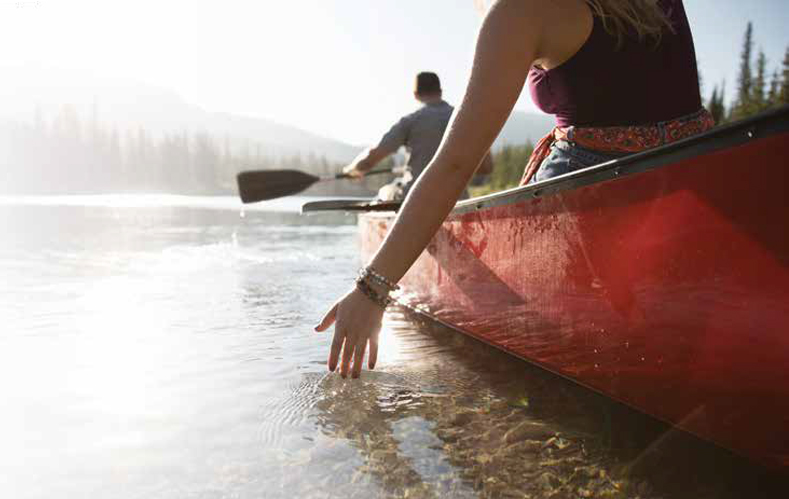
381,301
370,273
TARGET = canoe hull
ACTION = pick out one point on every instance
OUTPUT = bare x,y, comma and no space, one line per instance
667,289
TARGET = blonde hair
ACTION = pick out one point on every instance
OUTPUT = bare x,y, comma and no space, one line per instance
644,18
621,18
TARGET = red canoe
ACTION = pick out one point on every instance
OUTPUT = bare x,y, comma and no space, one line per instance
660,280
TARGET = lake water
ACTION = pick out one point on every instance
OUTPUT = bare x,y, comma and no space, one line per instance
162,347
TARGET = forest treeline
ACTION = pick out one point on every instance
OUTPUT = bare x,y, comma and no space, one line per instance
758,89
65,155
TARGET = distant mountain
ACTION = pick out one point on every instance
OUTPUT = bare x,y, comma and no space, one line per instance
132,106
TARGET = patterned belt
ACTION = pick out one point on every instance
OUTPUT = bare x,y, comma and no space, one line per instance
619,139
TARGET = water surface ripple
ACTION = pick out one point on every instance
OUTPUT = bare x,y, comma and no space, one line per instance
162,347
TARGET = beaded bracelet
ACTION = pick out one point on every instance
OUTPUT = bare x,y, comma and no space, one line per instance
369,272
381,301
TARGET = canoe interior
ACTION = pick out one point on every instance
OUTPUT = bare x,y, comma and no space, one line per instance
666,288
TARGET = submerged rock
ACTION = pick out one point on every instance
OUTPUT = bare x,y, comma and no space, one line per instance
548,481
525,446
528,430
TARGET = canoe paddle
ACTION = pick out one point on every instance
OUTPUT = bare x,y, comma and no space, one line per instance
260,185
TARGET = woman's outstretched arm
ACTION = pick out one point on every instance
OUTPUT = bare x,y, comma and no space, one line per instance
507,45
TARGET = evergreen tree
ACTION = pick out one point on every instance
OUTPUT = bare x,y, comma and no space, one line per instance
38,121
94,120
783,97
67,124
758,99
143,172
775,87
722,103
206,157
508,165
226,154
115,160
131,159
742,106
716,106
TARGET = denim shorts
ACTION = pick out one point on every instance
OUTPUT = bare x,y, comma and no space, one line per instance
566,157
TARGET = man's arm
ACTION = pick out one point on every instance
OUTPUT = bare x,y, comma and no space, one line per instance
389,144
365,161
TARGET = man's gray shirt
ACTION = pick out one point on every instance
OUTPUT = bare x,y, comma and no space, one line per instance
421,133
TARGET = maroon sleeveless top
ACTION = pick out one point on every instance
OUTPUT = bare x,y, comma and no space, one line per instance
636,84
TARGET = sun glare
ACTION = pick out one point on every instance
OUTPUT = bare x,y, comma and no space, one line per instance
389,346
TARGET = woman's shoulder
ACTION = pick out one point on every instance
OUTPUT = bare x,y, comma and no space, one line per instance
570,24
543,10
554,22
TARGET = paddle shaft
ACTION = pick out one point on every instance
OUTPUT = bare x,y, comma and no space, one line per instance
341,176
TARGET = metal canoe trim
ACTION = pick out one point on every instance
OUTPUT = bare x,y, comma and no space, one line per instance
364,205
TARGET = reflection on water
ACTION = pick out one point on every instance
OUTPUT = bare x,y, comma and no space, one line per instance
166,350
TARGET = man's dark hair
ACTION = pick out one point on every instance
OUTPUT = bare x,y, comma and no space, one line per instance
427,84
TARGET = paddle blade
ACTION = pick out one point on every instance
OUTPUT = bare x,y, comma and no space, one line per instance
260,185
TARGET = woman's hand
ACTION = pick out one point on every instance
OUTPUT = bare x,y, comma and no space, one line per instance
357,322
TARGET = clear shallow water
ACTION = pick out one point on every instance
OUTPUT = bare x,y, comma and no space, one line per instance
161,346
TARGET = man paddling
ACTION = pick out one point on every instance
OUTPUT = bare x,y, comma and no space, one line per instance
420,132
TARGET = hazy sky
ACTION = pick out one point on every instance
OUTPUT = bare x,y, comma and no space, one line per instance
341,68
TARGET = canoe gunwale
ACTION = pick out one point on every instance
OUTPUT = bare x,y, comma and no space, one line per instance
722,137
